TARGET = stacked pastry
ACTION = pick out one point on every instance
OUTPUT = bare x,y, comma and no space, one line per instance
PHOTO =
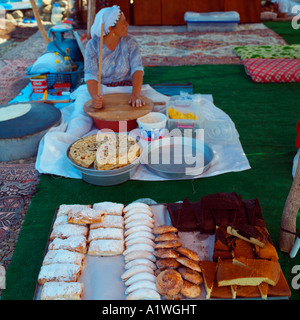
77,230
178,273
106,238
245,265
140,265
64,261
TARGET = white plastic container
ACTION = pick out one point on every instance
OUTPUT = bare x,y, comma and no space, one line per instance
56,15
184,105
212,21
152,126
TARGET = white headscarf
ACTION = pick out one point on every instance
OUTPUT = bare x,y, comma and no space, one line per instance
109,16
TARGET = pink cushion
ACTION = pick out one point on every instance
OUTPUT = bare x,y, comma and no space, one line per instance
273,70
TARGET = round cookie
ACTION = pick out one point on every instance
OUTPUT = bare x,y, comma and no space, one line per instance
169,282
188,253
189,263
190,275
166,253
167,237
164,229
190,290
166,263
167,244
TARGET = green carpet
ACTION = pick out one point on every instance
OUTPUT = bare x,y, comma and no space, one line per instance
265,116
284,28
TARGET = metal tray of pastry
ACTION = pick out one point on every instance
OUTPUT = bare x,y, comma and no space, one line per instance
101,276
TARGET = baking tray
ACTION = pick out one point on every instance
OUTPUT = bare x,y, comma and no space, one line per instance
178,157
101,276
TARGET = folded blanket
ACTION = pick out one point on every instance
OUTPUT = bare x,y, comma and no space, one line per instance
268,52
273,70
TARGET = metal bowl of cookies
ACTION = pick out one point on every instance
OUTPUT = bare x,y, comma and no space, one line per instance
105,159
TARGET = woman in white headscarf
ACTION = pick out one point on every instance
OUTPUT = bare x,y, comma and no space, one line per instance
121,58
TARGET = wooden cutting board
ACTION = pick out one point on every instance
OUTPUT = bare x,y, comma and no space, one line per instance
117,108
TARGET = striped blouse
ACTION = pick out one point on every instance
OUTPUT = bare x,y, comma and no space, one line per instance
117,65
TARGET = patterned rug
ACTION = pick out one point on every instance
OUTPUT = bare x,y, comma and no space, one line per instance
11,78
17,186
192,48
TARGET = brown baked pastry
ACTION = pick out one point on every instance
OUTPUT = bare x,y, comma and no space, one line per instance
189,263
190,290
168,244
221,247
281,289
188,253
85,215
167,237
263,289
166,253
169,282
183,215
248,292
254,234
208,269
190,275
164,229
231,274
224,292
268,269
267,252
167,263
83,151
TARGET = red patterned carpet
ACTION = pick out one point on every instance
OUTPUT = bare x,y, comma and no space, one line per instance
194,48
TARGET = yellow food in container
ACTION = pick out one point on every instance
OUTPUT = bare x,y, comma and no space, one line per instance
175,114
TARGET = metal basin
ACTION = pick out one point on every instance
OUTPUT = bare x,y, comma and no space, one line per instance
107,177
177,157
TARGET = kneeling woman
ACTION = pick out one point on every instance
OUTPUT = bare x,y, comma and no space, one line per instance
121,58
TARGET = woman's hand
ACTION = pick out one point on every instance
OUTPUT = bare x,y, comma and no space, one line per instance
136,101
97,101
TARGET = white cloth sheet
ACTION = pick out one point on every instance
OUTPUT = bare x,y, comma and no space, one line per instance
52,158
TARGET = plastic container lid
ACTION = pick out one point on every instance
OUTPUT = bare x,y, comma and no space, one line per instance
226,16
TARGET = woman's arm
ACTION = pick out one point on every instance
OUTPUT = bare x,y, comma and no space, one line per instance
92,86
137,82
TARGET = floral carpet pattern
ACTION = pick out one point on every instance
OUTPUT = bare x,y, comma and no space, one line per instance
191,48
17,186
12,79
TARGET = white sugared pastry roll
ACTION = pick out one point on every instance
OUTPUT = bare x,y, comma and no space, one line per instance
62,291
